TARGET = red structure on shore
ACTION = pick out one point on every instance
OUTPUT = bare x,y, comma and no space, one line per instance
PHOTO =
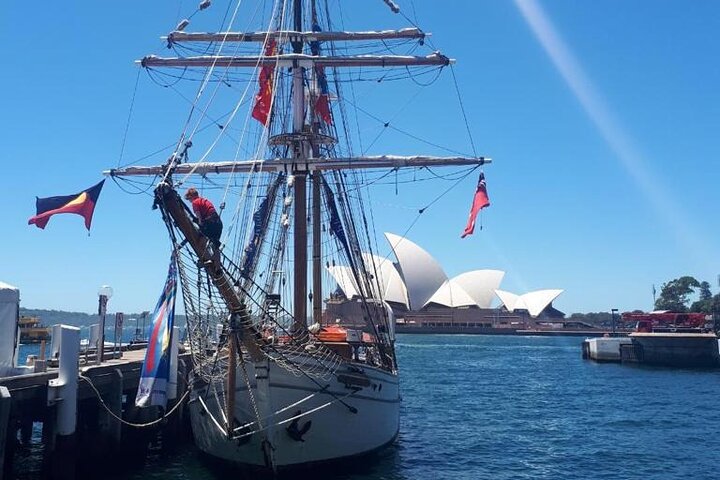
653,321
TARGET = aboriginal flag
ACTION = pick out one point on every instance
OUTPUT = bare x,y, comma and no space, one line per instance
82,204
480,201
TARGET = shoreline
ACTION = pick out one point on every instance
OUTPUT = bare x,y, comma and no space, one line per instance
506,331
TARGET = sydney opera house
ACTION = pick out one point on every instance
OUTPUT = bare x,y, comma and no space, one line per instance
423,298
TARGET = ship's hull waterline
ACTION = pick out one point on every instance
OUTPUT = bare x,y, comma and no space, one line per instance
305,420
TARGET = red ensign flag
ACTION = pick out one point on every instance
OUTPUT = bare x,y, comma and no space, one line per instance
480,201
263,100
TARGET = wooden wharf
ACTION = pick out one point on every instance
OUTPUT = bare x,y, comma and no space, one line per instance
105,420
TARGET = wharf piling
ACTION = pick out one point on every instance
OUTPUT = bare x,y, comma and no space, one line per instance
87,411
4,418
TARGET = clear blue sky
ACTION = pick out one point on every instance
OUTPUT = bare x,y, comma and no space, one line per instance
602,119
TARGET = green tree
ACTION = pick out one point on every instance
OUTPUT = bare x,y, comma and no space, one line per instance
705,293
674,295
705,301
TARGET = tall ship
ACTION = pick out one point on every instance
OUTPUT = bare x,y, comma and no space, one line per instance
273,385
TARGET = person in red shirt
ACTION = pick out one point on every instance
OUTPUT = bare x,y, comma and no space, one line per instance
210,224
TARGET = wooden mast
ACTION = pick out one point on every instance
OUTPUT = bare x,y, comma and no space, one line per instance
300,196
316,246
316,252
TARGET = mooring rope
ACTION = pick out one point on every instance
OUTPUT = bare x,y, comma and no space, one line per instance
130,424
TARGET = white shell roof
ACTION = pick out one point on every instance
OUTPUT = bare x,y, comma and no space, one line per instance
390,281
392,288
480,285
422,274
343,276
451,294
510,300
534,302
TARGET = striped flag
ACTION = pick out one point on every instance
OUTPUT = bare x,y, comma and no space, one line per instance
480,201
152,389
82,204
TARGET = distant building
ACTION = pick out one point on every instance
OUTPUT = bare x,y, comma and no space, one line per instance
422,296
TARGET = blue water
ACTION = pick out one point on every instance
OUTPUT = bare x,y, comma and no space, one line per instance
501,407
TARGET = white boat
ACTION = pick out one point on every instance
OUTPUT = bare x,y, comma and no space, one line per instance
271,389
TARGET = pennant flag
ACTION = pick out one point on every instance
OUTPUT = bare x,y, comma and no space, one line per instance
263,100
322,104
82,204
152,389
480,201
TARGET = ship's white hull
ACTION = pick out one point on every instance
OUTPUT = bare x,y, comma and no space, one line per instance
354,412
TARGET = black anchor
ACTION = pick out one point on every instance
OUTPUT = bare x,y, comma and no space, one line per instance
295,431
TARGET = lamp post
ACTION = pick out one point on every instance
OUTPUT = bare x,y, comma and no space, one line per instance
613,311
104,294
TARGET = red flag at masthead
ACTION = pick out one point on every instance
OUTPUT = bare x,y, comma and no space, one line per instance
480,201
263,99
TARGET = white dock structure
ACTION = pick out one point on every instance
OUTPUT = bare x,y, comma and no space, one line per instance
604,349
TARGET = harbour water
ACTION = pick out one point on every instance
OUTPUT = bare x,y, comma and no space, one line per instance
510,407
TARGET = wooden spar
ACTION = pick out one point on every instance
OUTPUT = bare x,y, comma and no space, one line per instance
292,35
309,164
173,205
298,59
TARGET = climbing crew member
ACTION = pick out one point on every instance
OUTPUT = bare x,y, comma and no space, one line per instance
210,224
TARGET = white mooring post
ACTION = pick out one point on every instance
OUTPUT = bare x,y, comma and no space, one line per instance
55,342
66,384
62,392
173,376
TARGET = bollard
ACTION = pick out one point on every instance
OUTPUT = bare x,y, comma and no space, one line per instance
63,393
94,337
41,363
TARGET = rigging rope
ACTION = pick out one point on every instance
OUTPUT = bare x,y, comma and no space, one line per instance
462,109
127,123
131,424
